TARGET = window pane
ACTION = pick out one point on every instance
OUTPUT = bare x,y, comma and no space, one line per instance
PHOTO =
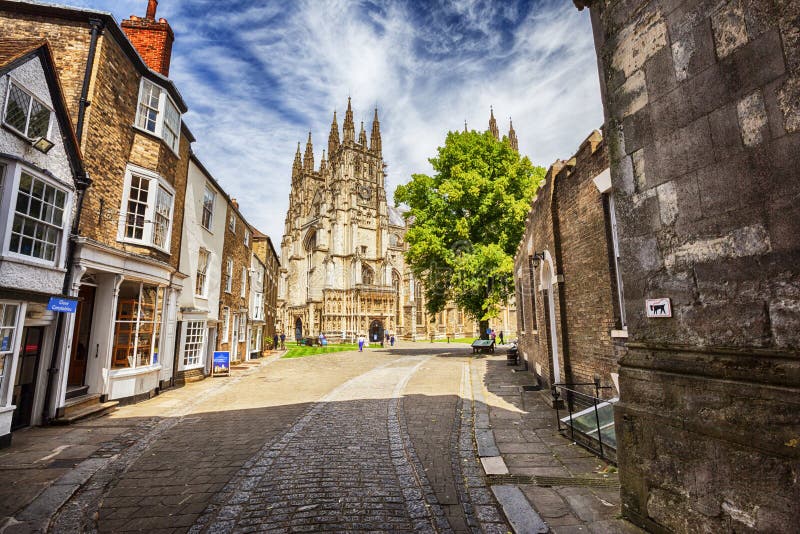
148,107
208,207
17,108
36,230
162,217
39,124
137,207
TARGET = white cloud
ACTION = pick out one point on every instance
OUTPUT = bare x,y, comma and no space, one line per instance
258,78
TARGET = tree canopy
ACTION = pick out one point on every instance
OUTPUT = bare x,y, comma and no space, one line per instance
468,219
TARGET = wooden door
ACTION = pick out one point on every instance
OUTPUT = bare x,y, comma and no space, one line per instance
81,336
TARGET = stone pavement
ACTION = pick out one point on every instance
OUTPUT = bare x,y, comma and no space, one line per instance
571,489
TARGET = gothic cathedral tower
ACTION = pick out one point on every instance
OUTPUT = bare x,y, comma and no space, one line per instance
341,255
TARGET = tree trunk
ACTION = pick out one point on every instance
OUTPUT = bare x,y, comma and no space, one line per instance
484,326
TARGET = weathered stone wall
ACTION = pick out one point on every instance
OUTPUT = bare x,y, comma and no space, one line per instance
568,222
703,104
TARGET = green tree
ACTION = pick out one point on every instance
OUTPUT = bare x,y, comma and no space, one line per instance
468,219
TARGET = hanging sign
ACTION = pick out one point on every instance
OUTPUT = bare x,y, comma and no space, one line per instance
61,304
222,363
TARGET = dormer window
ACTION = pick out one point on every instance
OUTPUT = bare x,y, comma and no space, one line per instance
25,113
158,114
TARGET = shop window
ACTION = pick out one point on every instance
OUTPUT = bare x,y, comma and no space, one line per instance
194,343
137,326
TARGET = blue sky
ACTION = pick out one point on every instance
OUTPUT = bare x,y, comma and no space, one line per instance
258,75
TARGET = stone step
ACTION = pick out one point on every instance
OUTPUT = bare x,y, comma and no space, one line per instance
91,410
76,391
79,403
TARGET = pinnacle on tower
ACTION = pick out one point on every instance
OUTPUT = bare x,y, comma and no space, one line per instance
362,136
308,158
375,140
333,137
323,164
296,165
512,136
349,128
465,126
493,124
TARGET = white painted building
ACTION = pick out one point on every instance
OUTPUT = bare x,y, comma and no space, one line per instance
201,258
40,166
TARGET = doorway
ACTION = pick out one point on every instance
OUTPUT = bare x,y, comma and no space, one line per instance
235,338
376,331
547,283
26,376
298,329
80,336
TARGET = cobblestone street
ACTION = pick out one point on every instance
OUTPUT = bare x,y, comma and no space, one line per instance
376,441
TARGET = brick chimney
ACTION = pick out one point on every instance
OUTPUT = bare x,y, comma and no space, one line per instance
152,38
235,203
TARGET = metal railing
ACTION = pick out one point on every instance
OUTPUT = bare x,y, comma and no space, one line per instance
584,409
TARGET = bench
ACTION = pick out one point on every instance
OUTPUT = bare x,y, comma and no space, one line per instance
482,345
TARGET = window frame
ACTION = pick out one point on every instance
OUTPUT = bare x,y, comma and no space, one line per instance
156,335
204,208
156,184
13,81
244,283
225,319
232,223
164,100
228,274
10,177
197,337
7,354
246,237
203,293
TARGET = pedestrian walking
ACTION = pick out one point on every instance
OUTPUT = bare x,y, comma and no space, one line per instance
275,341
283,341
391,340
492,336
360,343
501,337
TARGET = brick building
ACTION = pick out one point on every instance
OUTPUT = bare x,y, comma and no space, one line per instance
41,181
136,148
701,102
235,285
265,251
568,301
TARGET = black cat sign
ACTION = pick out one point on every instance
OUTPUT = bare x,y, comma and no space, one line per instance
658,308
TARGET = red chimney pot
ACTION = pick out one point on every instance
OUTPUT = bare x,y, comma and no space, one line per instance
151,9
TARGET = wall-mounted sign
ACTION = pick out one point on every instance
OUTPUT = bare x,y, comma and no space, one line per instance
658,308
60,304
222,363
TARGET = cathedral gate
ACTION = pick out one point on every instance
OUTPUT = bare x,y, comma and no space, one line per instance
376,331
298,329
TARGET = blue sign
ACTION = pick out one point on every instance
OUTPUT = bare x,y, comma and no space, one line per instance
60,304
222,362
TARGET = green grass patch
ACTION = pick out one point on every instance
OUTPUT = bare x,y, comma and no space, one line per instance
456,340
301,351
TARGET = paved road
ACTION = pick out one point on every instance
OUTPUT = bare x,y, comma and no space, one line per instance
374,441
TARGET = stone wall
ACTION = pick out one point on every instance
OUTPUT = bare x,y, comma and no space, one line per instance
702,104
568,223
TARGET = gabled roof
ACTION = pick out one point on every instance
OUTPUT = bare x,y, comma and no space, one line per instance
16,52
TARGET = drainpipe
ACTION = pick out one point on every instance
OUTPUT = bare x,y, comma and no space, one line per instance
82,183
83,103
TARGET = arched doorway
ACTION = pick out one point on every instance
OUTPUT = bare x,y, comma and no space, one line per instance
375,331
298,329
547,286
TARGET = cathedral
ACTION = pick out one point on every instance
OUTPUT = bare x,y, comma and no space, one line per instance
343,272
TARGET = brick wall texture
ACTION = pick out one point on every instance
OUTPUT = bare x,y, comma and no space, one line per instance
568,221
153,39
235,249
703,106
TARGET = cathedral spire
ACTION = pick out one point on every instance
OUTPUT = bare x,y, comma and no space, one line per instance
323,164
512,136
493,124
362,136
465,126
333,137
308,158
375,140
349,128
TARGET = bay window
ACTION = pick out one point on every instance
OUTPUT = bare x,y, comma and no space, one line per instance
147,209
137,325
194,343
158,114
26,114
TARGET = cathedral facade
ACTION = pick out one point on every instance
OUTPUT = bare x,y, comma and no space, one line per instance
343,272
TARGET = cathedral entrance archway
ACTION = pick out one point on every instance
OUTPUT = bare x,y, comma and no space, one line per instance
375,331
298,329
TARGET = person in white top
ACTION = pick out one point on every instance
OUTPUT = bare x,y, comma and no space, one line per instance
360,343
